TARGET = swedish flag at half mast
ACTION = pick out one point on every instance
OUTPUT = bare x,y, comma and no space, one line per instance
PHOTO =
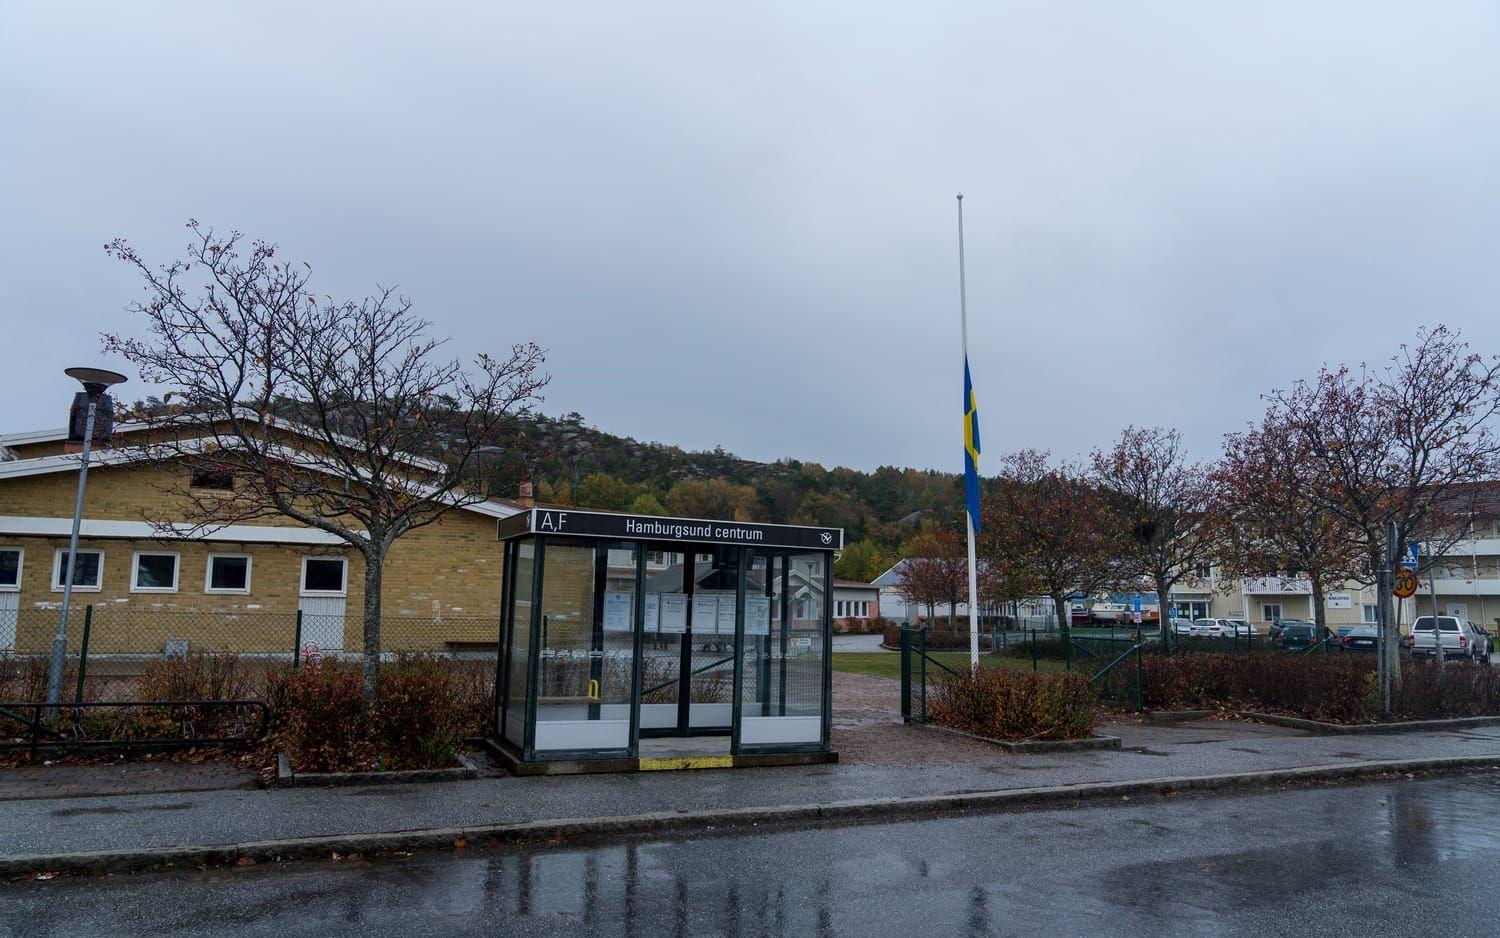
971,448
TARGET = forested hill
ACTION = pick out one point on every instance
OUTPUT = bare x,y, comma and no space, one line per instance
575,464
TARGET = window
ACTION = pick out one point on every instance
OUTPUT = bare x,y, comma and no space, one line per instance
212,478
153,573
323,575
86,577
1202,571
1270,612
227,573
1370,614
10,568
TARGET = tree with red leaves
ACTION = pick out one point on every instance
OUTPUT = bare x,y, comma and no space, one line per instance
1159,506
1271,495
1407,447
1047,527
936,570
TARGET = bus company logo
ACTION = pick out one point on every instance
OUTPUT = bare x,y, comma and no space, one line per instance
827,537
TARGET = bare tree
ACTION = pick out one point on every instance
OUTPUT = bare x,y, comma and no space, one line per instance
1400,448
339,414
1042,527
1160,508
1272,496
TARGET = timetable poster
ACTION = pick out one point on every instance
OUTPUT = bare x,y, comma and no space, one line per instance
673,613
726,615
757,615
705,615
617,608
653,610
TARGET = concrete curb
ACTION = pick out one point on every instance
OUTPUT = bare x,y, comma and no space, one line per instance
869,809
1342,729
1032,745
1176,716
286,778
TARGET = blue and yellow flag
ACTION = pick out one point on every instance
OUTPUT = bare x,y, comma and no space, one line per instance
971,448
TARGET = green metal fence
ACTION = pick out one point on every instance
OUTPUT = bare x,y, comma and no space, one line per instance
1113,664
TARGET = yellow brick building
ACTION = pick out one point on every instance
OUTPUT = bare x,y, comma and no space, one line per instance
238,587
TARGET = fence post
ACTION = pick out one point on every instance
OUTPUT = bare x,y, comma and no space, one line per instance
1067,638
1140,675
922,663
83,650
1033,649
297,643
905,674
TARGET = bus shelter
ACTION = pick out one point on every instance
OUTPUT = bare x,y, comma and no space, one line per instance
636,642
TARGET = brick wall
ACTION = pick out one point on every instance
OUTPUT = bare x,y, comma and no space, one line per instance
450,570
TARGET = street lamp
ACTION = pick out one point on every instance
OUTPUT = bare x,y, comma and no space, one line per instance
95,381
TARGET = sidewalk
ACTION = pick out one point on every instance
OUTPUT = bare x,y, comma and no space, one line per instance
880,760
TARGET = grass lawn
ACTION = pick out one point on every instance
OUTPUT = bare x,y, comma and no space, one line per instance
888,663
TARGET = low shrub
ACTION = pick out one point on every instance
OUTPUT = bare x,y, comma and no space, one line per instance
1013,704
423,709
474,688
417,722
324,723
197,676
1334,688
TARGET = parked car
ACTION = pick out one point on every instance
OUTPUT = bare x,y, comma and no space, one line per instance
1360,638
1208,628
1182,626
1237,628
1460,637
1278,624
1295,634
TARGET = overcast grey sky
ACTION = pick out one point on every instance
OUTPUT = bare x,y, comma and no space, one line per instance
736,226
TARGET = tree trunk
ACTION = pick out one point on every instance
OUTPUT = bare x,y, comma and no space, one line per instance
1319,613
374,563
1164,615
1391,604
1065,622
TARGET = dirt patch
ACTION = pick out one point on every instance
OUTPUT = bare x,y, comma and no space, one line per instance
859,699
121,778
898,744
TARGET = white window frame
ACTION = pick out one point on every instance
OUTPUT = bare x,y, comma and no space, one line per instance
1369,613
208,572
20,568
135,568
57,559
1280,611
302,589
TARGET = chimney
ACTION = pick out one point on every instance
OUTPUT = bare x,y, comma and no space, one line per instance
526,495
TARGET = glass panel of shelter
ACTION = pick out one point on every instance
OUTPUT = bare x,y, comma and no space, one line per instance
783,661
586,651
687,664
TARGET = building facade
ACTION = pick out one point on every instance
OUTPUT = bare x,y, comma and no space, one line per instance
240,587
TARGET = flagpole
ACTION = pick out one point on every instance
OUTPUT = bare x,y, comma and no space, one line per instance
963,317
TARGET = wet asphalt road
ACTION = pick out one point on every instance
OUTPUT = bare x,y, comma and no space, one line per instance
1408,857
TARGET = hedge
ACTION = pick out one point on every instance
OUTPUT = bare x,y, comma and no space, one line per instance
1335,688
1012,704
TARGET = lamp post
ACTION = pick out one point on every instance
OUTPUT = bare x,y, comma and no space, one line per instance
95,381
